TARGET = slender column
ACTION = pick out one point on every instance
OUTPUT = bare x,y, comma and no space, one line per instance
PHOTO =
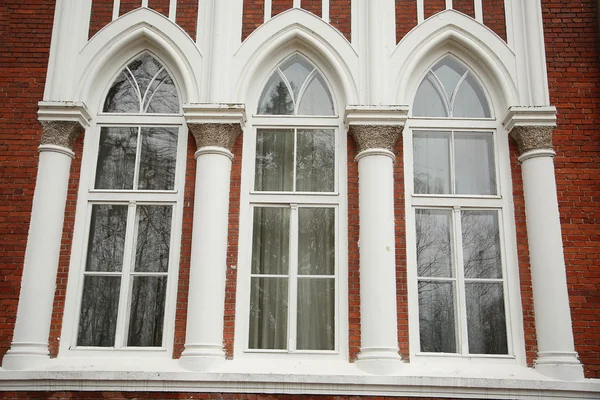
379,317
30,340
206,299
556,350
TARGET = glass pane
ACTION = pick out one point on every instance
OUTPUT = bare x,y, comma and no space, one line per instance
486,320
162,95
432,162
316,314
434,243
122,97
158,158
449,71
274,160
316,99
153,238
144,69
316,241
296,70
429,101
116,158
271,240
474,163
99,306
147,315
268,313
276,98
470,100
107,238
315,163
481,244
436,317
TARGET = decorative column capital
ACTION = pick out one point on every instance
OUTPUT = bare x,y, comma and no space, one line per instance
531,127
62,122
214,124
376,127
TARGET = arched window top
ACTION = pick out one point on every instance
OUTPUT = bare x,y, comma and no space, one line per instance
144,86
296,88
451,90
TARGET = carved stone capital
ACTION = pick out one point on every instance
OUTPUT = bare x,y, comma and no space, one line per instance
532,137
375,136
60,133
219,135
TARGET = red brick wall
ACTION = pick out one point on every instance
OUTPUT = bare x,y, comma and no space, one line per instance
572,54
353,254
464,6
25,29
314,6
494,16
162,6
279,6
433,6
253,16
339,15
129,5
101,15
187,16
406,17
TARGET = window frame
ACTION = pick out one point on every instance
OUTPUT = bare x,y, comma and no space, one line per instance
455,203
88,196
251,198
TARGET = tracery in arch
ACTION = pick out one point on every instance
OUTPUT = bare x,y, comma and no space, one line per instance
296,88
144,86
450,89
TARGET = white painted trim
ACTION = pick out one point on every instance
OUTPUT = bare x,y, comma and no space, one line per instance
172,10
296,4
448,4
221,151
420,11
268,10
144,3
56,149
325,10
529,116
116,9
215,113
375,152
479,11
376,115
64,111
537,153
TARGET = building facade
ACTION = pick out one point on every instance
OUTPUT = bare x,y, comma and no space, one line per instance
275,198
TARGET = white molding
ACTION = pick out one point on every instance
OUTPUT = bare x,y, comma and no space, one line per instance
56,149
529,116
517,383
64,111
214,113
536,153
221,151
376,115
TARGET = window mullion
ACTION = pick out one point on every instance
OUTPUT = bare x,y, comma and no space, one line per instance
128,261
293,279
138,154
295,159
452,165
460,284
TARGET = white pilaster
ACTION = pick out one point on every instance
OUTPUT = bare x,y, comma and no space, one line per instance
29,345
215,129
556,349
376,130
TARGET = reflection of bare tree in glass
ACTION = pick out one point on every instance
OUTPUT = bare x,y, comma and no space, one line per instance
315,159
280,102
116,158
274,160
428,184
481,244
158,158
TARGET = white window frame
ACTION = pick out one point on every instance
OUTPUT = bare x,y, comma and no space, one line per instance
89,196
250,198
502,202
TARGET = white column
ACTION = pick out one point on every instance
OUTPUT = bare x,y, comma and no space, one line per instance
556,349
378,310
206,298
29,345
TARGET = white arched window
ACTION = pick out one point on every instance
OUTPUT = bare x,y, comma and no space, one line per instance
457,213
292,182
132,187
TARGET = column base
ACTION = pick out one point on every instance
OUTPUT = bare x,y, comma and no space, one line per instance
25,356
379,360
563,365
202,357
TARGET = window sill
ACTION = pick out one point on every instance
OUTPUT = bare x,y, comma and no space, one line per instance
339,378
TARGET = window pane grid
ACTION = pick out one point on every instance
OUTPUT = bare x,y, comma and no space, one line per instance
478,313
